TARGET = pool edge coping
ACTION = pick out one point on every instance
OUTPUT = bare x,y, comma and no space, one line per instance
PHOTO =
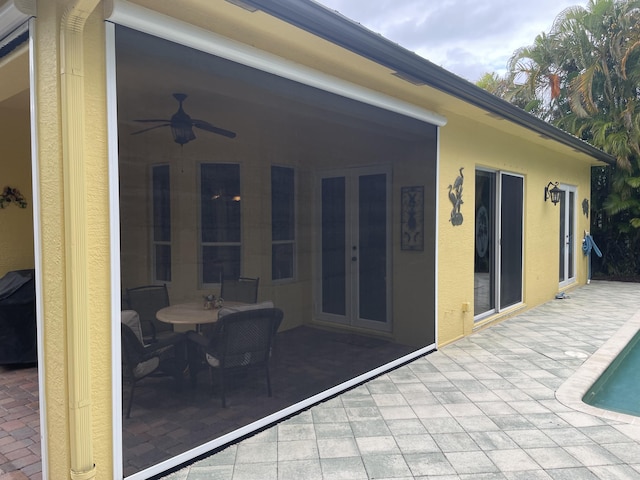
571,392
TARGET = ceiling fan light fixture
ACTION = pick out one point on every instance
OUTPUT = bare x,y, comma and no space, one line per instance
182,124
182,134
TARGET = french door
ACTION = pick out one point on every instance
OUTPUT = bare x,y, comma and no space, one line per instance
355,248
567,238
498,260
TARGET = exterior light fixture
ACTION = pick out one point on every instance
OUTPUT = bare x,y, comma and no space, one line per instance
552,193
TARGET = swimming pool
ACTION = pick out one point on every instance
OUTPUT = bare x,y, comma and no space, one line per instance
618,388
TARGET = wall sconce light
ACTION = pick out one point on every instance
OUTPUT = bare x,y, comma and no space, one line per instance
552,193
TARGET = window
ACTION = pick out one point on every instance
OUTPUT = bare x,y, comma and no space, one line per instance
161,223
283,232
220,221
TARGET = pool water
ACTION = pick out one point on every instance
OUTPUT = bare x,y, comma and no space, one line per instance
618,388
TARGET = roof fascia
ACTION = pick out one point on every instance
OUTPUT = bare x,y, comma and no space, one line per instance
338,29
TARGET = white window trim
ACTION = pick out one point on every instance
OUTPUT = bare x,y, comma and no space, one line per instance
294,241
572,189
202,244
154,242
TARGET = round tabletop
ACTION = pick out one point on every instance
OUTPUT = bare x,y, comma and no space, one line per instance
191,313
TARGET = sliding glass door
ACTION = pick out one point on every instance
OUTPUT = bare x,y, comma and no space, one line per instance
498,241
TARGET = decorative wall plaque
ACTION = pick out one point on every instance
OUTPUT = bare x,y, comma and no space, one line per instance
412,228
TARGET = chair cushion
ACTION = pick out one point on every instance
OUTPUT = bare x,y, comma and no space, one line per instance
254,306
213,361
132,320
145,368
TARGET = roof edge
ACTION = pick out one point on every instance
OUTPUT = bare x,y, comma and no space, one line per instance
340,30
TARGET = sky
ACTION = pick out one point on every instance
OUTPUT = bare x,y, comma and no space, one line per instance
466,37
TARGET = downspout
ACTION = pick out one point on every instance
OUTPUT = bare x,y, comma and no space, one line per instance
73,137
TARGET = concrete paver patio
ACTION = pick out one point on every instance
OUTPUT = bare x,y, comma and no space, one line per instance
503,403
484,407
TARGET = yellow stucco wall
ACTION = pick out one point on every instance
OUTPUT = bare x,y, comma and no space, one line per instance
56,322
471,145
16,240
463,144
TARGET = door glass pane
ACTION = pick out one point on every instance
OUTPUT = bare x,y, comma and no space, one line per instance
562,233
484,257
372,247
333,246
570,228
511,217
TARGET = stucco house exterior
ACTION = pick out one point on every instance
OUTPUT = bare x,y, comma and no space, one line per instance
374,194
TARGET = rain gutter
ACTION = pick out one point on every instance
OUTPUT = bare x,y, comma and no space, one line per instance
75,214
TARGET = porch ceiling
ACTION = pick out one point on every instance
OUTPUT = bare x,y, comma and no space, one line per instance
288,41
221,91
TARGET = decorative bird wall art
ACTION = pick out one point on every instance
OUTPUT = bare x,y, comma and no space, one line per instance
455,197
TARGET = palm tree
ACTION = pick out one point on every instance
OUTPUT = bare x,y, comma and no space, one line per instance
584,76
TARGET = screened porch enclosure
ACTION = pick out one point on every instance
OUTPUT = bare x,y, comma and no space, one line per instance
274,180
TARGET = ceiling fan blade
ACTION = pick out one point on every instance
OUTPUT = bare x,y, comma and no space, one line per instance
153,120
210,128
151,128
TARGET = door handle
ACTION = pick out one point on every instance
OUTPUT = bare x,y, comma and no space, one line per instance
353,259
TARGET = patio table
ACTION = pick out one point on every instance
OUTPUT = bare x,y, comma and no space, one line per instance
192,313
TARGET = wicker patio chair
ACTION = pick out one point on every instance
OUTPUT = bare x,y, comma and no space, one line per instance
147,300
139,361
242,340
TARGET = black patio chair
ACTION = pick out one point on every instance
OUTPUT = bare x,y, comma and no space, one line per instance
147,300
243,289
163,358
242,340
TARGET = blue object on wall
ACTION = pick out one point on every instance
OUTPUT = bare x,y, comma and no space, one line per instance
589,245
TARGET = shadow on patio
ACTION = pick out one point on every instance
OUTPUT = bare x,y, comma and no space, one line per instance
306,361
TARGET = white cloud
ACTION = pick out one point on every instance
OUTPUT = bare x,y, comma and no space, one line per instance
467,37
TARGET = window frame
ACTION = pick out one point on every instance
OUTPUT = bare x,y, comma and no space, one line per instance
294,228
152,225
202,244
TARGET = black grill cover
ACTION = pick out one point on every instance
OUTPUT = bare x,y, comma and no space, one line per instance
18,342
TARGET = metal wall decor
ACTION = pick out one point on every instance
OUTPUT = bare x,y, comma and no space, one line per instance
585,207
455,197
12,196
412,228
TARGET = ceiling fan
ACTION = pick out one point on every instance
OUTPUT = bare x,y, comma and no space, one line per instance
182,124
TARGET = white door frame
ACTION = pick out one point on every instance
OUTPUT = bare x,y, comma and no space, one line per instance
569,243
352,316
